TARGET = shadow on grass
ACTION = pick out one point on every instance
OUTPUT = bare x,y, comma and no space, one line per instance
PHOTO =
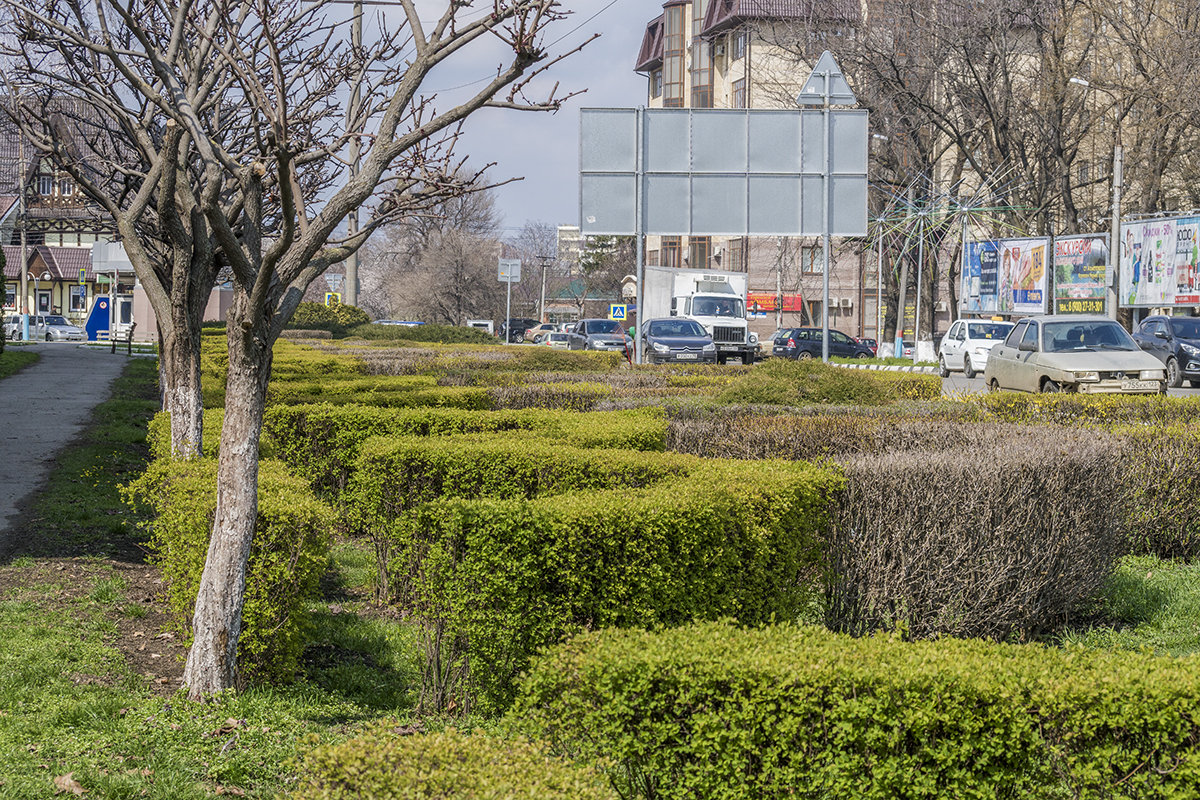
366,661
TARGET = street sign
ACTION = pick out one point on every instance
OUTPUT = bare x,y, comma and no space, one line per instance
617,311
813,92
81,271
333,298
509,267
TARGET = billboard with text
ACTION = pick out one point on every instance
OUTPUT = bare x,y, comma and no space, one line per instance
1159,263
1080,267
1005,276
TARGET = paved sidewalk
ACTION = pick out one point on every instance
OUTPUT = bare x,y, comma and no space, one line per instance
42,409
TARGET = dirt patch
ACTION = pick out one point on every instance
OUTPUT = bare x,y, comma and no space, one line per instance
145,634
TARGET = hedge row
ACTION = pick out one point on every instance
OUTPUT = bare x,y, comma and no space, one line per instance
382,764
493,580
1091,410
711,711
445,334
321,442
288,555
810,382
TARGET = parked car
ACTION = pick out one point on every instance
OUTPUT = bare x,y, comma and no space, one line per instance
1068,353
676,339
513,330
870,344
599,334
536,333
1175,341
57,329
806,343
557,340
966,346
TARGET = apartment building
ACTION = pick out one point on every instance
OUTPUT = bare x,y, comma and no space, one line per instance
722,54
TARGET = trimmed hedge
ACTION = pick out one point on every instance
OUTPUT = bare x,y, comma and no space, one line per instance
321,442
494,580
288,555
158,433
383,764
445,334
1010,537
810,382
1161,477
709,711
1084,409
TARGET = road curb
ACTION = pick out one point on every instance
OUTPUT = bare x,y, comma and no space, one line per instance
889,368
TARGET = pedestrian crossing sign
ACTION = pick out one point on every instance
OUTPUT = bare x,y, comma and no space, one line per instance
333,298
616,311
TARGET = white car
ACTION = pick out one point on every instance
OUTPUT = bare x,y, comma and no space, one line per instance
966,346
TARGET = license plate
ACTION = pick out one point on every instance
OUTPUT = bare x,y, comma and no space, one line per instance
1135,386
682,356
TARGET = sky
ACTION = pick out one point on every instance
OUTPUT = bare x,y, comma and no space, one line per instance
543,148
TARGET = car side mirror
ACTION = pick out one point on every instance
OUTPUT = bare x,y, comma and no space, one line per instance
1027,347
1160,334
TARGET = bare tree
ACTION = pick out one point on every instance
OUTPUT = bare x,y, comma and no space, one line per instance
239,111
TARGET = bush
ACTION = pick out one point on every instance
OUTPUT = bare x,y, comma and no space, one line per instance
1009,538
349,316
314,316
446,334
491,581
566,396
449,765
287,557
810,382
321,442
1161,477
1093,410
158,434
711,711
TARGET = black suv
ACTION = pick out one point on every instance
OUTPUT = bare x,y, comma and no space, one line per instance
1175,341
806,343
514,329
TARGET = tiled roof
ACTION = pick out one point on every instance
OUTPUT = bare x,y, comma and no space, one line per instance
63,263
12,261
651,55
723,14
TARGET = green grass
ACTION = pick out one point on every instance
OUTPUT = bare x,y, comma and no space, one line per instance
71,704
1148,603
14,360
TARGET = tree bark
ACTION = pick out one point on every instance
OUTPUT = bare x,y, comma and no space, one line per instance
181,393
216,624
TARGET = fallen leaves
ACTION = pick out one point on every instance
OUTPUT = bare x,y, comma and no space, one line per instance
67,783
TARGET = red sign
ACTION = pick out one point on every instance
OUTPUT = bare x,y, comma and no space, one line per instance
765,301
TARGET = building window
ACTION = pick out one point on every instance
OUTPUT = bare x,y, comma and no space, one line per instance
811,260
652,258
736,260
10,296
699,251
66,187
702,75
656,83
674,26
46,185
78,299
739,94
672,251
738,45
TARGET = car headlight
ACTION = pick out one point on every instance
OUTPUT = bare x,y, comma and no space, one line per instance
1087,376
1190,349
659,347
1151,375
753,337
710,347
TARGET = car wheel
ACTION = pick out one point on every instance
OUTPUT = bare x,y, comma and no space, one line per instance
1050,387
968,370
804,355
994,385
862,354
1194,384
49,338
519,338
1174,376
943,370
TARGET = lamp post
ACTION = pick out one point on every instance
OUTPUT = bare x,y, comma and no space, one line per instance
1118,180
542,302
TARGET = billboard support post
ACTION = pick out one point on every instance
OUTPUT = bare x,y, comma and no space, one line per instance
639,236
1114,249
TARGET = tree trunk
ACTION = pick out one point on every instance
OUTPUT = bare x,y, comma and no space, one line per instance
212,660
179,372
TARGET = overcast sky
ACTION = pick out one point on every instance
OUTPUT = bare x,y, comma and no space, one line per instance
544,148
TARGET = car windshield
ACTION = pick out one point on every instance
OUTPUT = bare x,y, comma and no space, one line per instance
718,307
988,330
56,321
1061,337
1186,328
681,327
605,326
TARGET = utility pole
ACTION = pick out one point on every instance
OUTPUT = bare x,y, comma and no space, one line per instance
355,155
542,302
23,302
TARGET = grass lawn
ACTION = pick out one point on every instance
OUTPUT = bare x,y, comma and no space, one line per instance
90,665
14,360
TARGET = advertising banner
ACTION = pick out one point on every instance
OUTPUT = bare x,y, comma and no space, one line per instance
762,302
1148,253
1080,266
1005,276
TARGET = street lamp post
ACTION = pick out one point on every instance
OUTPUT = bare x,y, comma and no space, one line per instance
542,302
1118,180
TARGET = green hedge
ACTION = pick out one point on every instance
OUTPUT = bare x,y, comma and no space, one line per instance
810,382
448,765
711,711
494,580
289,553
445,334
1083,409
158,434
321,442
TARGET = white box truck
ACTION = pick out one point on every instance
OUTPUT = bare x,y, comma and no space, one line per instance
717,300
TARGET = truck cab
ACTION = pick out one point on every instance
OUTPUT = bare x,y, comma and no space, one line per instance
723,315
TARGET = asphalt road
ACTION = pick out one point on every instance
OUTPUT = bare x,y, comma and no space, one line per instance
957,384
42,409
